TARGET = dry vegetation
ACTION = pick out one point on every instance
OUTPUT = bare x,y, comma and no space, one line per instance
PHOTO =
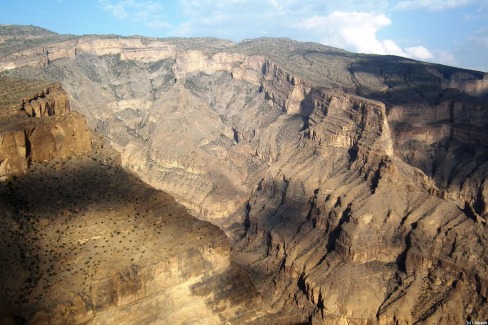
70,225
67,224
354,186
13,91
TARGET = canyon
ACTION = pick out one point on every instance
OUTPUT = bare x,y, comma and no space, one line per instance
85,241
352,188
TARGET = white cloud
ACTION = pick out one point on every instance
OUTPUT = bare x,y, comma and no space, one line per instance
349,29
236,19
419,52
434,5
358,31
392,48
276,4
282,4
117,10
445,57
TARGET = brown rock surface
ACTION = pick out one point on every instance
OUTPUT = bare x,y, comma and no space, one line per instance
353,186
57,133
84,241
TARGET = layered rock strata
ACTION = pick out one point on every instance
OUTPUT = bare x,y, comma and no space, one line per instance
353,186
86,242
432,110
58,133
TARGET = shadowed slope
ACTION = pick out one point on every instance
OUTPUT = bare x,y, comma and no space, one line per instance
353,186
84,241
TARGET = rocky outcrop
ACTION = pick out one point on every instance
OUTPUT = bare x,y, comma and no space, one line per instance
445,142
466,82
13,153
49,102
58,133
61,137
84,241
347,183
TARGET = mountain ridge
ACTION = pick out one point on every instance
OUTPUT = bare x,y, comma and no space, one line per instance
329,171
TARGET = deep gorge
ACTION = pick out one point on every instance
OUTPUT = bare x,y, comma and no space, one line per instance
351,187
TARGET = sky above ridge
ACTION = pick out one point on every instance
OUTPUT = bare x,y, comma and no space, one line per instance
452,32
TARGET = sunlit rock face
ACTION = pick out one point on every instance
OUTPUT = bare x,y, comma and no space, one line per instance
83,240
24,139
352,186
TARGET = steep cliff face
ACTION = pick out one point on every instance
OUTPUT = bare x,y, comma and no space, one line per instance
85,241
432,110
58,133
347,183
437,115
345,227
448,143
61,137
51,101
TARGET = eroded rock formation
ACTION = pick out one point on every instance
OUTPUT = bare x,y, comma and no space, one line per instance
58,133
84,241
353,186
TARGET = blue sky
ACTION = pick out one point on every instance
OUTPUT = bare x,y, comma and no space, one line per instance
453,32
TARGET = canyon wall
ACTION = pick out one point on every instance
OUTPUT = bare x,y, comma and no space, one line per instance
432,110
352,186
84,241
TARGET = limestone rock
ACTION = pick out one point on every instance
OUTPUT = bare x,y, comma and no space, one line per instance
52,101
84,241
54,133
353,187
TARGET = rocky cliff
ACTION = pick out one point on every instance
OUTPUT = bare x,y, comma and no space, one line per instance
352,186
58,133
84,241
